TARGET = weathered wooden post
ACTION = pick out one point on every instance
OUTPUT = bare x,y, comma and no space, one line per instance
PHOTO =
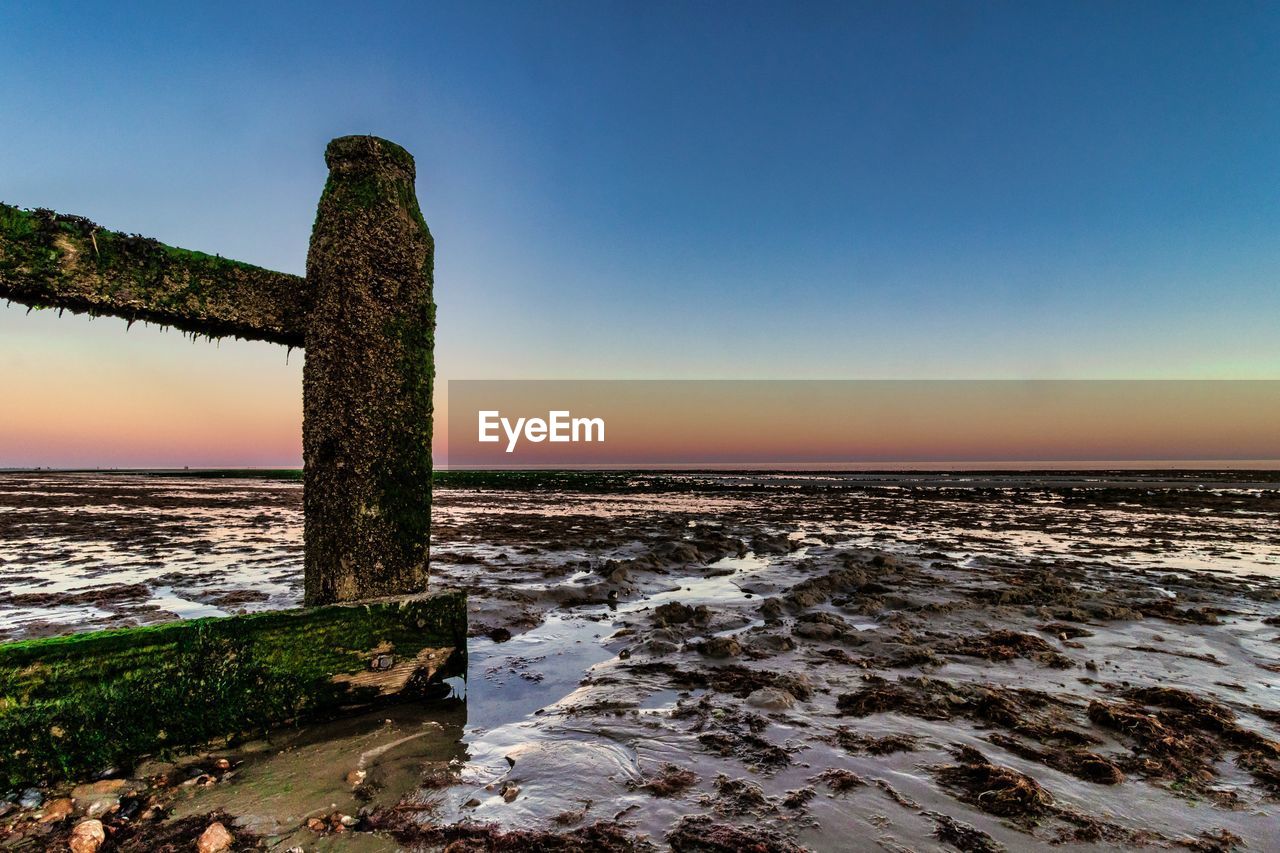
367,381
364,313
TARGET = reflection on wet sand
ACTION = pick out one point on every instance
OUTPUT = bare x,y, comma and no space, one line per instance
704,662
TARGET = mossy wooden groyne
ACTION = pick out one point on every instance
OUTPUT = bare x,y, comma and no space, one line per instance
72,707
364,314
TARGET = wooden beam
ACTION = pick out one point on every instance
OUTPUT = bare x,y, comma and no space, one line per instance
52,260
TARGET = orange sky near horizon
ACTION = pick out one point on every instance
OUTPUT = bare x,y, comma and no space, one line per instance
103,397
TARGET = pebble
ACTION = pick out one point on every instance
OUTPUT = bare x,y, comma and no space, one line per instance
356,777
215,839
510,791
772,698
57,810
721,647
87,837
99,797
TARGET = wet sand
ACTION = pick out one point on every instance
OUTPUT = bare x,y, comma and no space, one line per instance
725,662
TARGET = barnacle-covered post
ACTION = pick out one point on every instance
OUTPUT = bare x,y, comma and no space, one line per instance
367,379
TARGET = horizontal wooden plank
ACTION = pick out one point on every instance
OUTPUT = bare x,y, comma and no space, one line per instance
52,260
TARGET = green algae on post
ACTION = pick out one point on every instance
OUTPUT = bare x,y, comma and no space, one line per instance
368,379
71,707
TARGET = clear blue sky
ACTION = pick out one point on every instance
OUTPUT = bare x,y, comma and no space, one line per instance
701,189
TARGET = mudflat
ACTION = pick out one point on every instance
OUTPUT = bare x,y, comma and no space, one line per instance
721,661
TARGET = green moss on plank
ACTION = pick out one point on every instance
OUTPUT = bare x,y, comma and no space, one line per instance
57,260
73,706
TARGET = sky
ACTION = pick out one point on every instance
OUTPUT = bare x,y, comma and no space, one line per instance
660,190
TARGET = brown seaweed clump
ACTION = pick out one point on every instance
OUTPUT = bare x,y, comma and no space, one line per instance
670,781
852,741
1007,645
1185,735
962,836
701,834
840,781
995,789
1083,764
879,696
600,837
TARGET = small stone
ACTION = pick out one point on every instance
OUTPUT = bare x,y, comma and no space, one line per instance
99,797
31,798
510,791
222,764
57,810
356,777
721,647
347,820
87,837
772,698
215,839
315,824
471,803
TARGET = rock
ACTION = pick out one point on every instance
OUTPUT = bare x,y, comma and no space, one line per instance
347,820
87,837
816,631
31,798
222,764
672,613
658,648
510,791
765,645
315,824
356,777
57,810
100,797
771,698
215,839
721,647
771,609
